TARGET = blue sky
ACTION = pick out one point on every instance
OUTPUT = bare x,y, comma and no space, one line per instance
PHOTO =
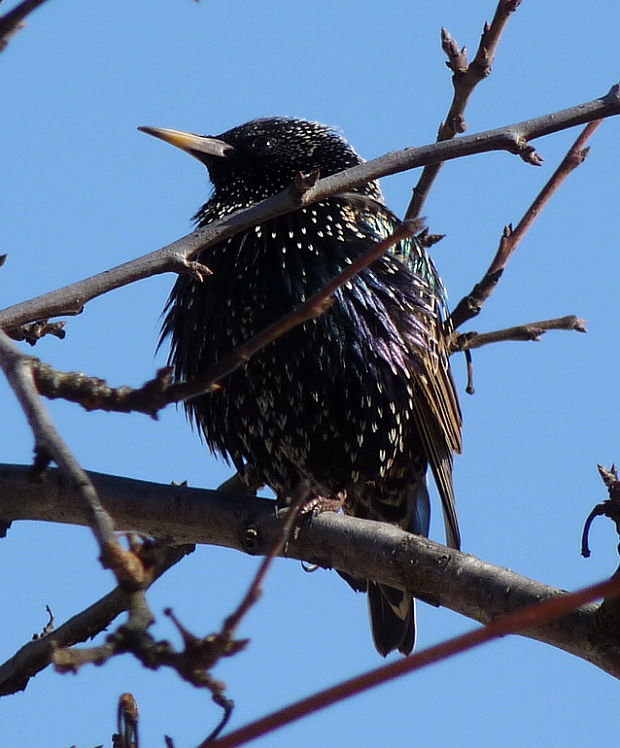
83,191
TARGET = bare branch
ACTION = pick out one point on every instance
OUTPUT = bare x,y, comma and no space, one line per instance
464,79
93,393
536,614
49,443
531,331
174,257
11,22
470,305
373,550
37,654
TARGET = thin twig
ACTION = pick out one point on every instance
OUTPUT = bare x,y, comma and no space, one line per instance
532,331
36,655
18,371
254,592
470,305
464,79
174,257
11,22
127,566
509,624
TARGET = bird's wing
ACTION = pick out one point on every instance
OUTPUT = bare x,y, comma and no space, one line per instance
436,408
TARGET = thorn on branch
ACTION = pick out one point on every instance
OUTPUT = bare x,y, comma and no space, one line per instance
528,153
196,270
469,388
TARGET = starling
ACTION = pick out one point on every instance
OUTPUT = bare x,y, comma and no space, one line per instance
359,401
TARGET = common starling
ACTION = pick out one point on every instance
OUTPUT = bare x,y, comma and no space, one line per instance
358,401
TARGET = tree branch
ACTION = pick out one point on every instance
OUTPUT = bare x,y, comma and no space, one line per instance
509,624
37,654
11,22
465,78
362,548
174,257
466,341
127,565
469,306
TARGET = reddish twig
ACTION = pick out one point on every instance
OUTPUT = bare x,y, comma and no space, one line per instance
470,305
254,592
509,624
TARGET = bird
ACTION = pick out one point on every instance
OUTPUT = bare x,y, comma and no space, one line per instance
358,402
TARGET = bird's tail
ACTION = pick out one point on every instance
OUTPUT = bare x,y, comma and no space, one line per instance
392,611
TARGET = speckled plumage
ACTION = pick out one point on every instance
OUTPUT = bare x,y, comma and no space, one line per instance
359,400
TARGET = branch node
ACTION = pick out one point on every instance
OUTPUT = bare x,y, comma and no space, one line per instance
302,184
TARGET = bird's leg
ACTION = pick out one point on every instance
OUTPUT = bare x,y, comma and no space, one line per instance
319,504
308,500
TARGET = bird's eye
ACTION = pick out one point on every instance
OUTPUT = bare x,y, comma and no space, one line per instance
262,144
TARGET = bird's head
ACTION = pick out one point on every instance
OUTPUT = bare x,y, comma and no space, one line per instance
262,157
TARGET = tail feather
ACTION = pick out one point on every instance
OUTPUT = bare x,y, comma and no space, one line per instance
392,619
392,611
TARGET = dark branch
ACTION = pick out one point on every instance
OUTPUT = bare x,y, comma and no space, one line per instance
37,654
11,22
